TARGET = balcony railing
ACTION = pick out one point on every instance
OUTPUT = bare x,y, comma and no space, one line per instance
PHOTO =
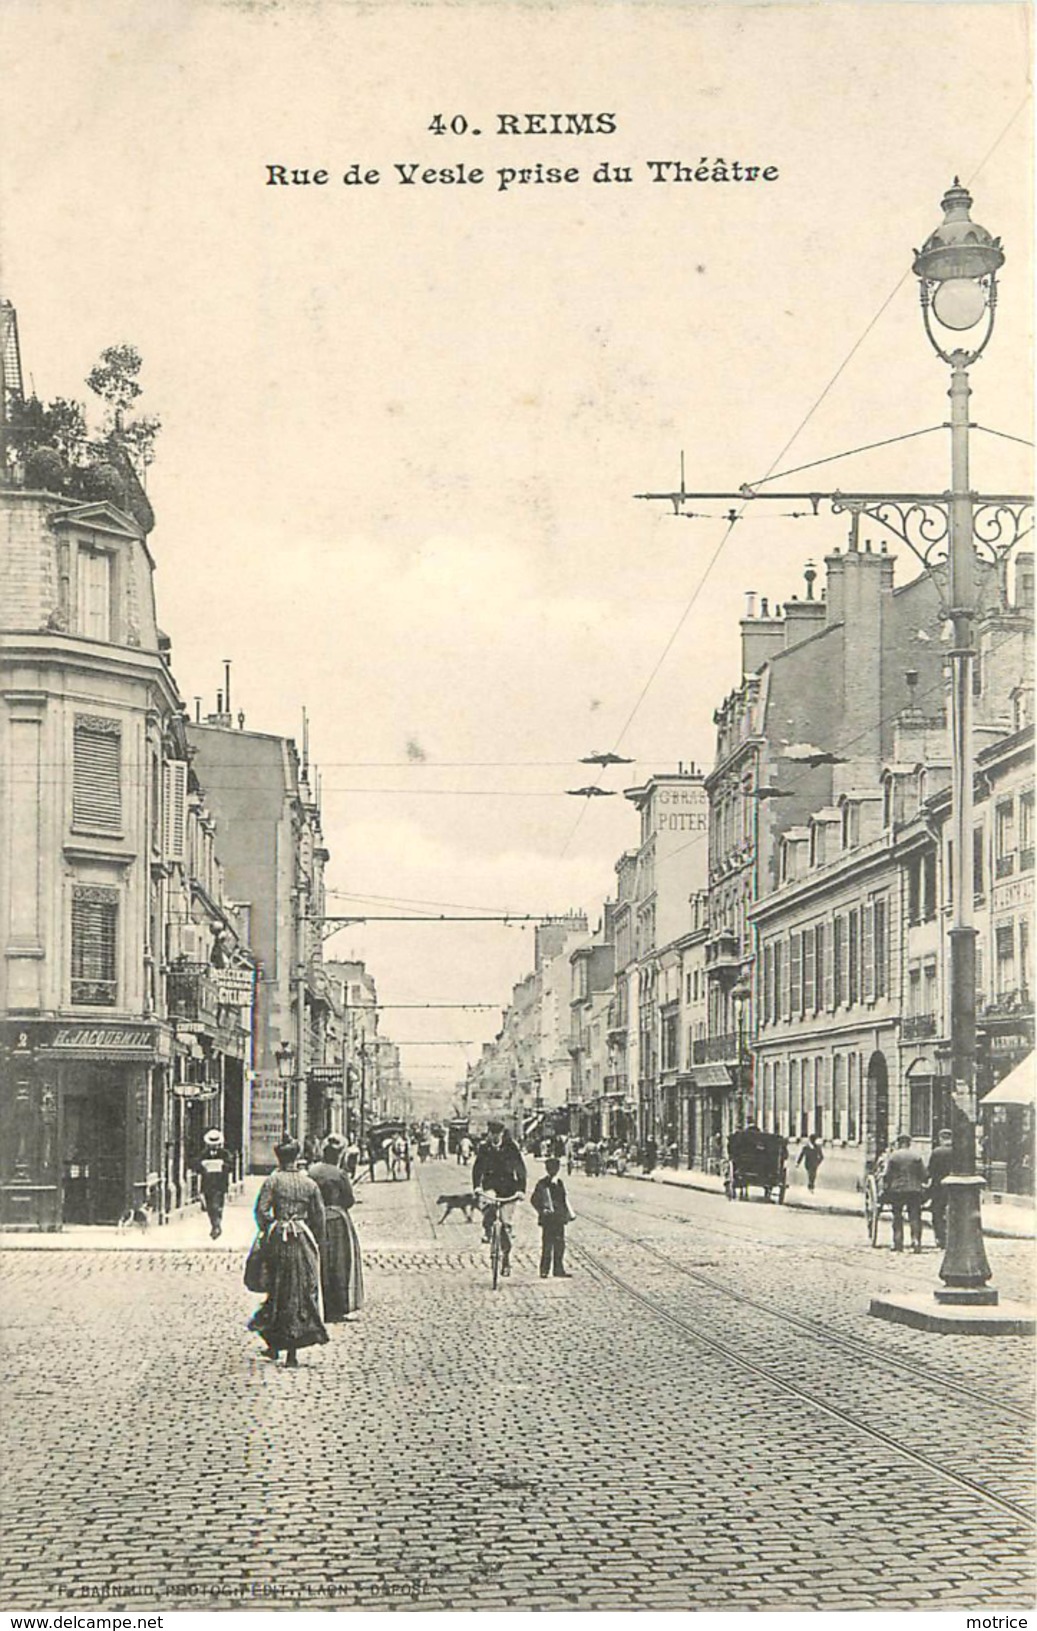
1009,1002
918,1026
711,1050
191,994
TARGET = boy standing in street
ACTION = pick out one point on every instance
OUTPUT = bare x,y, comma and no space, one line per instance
551,1205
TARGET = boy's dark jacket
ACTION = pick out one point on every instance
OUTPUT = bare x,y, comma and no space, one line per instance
550,1202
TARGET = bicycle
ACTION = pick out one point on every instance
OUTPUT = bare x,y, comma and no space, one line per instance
499,1231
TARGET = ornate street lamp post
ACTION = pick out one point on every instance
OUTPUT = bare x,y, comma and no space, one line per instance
957,270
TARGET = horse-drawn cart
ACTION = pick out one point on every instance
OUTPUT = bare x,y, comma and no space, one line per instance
756,1157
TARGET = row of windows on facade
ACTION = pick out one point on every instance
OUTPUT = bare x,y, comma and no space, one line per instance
818,1095
97,799
828,965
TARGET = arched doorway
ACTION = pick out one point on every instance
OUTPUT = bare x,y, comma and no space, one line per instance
876,1115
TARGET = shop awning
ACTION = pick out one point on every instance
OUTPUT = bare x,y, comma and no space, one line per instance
1015,1088
711,1075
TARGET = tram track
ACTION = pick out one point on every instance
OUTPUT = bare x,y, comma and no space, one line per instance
852,1346
713,1344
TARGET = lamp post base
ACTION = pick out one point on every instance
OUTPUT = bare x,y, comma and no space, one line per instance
921,1311
964,1266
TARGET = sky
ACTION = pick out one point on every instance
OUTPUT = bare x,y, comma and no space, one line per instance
404,424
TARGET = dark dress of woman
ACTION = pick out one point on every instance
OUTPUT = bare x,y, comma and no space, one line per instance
290,1215
342,1276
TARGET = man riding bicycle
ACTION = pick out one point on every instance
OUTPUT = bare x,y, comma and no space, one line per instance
499,1174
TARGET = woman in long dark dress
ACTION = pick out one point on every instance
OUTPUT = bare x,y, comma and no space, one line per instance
342,1276
290,1215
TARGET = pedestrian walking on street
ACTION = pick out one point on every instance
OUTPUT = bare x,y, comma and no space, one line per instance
651,1155
811,1156
214,1168
464,1150
352,1160
941,1165
441,1145
904,1187
341,1272
290,1215
551,1205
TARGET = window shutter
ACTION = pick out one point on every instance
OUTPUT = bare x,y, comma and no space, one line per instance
809,971
868,949
796,974
826,959
174,809
96,772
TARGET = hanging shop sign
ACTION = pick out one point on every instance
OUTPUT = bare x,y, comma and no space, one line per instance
195,1090
234,986
327,1077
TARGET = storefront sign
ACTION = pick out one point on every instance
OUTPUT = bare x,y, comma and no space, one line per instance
104,1041
1010,1041
1018,892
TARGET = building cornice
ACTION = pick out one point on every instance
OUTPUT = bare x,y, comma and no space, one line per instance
864,859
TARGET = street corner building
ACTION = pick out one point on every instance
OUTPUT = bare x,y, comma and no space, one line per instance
125,982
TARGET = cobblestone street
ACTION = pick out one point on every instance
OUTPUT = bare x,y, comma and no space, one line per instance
635,1437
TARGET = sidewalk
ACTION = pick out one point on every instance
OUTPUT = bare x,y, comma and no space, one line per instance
1004,1218
187,1229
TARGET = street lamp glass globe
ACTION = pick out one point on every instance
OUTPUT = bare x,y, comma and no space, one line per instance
959,303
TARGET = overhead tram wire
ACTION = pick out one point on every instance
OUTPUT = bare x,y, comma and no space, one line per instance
770,473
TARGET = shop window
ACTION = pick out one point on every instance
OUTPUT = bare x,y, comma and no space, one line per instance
96,773
95,919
